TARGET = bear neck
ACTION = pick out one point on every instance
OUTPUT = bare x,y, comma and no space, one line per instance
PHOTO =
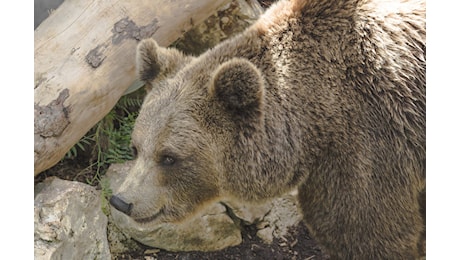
311,75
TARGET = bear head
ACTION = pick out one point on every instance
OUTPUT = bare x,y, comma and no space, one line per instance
185,131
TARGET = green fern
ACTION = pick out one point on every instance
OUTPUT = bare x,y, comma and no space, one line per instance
110,138
79,146
119,146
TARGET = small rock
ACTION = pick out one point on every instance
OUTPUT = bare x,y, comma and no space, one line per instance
68,221
151,251
283,213
225,19
266,234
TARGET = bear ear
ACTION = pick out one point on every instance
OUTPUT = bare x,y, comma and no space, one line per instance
155,63
238,85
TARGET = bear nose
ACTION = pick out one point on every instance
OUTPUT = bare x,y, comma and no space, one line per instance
121,205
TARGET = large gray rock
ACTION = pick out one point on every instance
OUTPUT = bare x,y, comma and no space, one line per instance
68,221
211,229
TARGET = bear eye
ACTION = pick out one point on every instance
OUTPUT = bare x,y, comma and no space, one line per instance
168,160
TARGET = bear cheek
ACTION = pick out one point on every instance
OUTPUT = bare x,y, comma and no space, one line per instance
191,188
194,198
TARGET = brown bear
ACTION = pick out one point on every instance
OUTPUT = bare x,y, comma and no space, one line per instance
326,96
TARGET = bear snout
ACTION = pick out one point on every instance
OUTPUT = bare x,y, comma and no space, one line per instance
121,205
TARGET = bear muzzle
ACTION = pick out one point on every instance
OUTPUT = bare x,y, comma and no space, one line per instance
121,205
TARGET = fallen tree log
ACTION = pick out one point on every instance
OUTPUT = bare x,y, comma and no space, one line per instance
85,60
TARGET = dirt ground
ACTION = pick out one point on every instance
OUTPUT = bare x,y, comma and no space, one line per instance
297,244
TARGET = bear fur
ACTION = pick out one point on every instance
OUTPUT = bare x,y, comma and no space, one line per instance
326,96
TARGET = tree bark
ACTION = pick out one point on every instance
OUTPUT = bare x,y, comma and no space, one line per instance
85,60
